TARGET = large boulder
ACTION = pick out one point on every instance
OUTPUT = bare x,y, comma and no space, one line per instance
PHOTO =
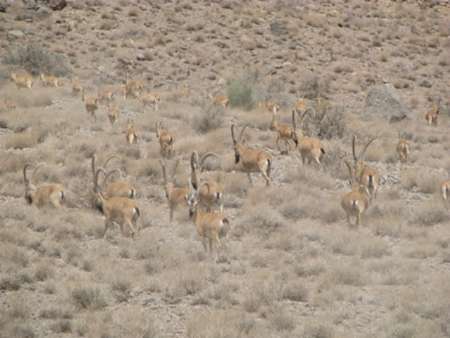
382,100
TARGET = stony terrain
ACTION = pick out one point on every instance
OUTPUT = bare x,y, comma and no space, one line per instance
291,266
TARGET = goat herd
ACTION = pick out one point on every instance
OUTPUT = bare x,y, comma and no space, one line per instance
204,198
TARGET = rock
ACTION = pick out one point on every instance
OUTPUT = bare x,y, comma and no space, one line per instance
382,100
16,34
248,43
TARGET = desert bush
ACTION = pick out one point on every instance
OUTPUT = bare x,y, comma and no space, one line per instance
210,118
62,326
282,321
27,139
35,59
121,289
317,330
312,87
241,90
296,292
325,121
88,298
430,214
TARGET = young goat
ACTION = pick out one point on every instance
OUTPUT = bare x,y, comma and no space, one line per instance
210,192
402,149
151,99
175,196
251,160
46,194
310,148
166,140
432,115
284,131
211,227
131,135
90,102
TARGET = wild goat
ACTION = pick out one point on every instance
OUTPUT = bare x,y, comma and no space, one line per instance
210,192
121,210
166,140
113,113
221,100
310,148
131,135
284,131
356,202
175,196
151,99
90,102
403,149
46,194
212,227
250,159
361,172
50,81
432,115
133,88
118,188
76,86
22,80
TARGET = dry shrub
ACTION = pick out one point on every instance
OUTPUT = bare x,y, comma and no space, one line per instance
312,87
296,292
281,320
88,298
121,288
374,248
36,59
427,182
324,120
210,118
27,139
314,329
264,218
429,214
347,274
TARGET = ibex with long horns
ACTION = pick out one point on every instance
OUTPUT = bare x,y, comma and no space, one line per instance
121,210
210,192
361,172
46,194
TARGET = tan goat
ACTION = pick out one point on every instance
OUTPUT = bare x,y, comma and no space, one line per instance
355,203
90,102
361,172
133,88
211,227
445,190
175,196
251,160
131,135
117,188
113,113
166,140
432,115
285,132
22,80
151,99
46,194
210,192
403,149
50,81
121,210
77,88
220,100
310,148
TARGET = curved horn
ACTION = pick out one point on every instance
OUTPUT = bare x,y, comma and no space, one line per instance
205,156
294,126
97,175
163,167
40,165
175,168
354,148
363,151
233,137
241,134
93,159
350,171
109,159
194,160
25,178
158,124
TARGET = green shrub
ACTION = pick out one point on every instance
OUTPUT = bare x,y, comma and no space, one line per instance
241,90
36,60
